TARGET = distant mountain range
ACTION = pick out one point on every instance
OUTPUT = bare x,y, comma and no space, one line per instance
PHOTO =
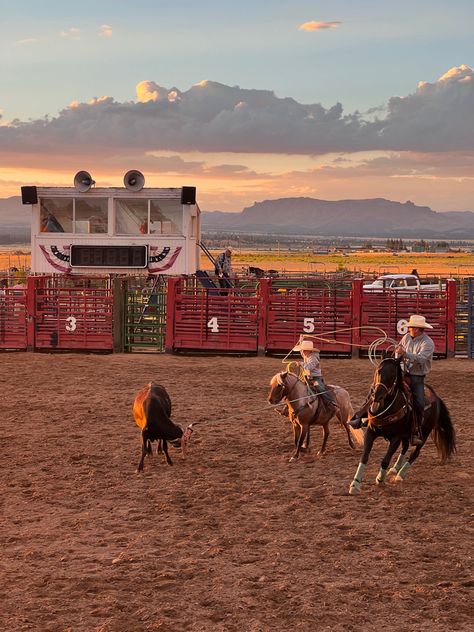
347,218
307,216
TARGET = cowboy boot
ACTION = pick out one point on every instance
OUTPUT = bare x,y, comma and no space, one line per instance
416,438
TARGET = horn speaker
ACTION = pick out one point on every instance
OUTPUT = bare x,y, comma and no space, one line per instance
29,195
188,195
83,181
134,180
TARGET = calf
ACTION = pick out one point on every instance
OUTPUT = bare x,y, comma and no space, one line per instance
152,413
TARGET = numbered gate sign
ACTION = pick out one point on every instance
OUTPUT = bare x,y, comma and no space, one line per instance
71,323
402,326
213,325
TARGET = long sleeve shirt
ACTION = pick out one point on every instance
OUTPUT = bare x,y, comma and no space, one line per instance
312,366
418,353
223,264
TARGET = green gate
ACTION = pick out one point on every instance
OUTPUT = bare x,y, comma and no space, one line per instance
145,314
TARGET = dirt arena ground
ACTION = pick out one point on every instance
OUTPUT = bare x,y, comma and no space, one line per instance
234,538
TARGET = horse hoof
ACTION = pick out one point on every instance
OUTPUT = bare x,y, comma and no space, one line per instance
392,472
293,458
399,479
379,481
354,488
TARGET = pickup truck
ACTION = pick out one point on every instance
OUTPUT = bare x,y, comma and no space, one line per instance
402,282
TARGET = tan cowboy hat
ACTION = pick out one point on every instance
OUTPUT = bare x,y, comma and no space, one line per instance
305,345
229,249
418,321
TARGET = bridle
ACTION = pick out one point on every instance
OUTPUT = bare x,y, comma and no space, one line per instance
390,391
280,382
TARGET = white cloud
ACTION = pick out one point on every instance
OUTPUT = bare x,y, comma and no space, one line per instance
71,33
318,26
213,117
105,31
29,40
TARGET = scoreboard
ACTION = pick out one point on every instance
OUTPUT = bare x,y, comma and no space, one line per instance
108,256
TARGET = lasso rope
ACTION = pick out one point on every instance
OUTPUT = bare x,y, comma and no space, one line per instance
371,348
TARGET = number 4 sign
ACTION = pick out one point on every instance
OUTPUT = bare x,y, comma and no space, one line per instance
213,325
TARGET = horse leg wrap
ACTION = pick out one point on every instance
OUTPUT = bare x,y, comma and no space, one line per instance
357,482
398,464
403,471
381,476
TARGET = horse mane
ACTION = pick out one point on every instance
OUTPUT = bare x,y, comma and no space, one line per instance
398,368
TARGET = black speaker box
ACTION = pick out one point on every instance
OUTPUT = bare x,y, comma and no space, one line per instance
29,195
188,195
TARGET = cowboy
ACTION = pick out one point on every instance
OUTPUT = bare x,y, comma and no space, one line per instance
312,368
416,350
223,267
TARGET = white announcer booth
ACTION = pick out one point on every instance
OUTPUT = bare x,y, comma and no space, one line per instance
85,230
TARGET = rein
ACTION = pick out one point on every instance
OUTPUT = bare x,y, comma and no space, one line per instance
394,417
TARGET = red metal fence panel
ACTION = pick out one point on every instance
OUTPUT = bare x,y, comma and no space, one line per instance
13,323
75,316
210,319
390,310
324,311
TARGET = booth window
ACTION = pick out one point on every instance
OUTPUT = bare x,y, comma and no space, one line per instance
166,217
56,215
131,217
90,215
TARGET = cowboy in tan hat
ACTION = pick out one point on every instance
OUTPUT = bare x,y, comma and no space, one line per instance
312,367
223,267
416,350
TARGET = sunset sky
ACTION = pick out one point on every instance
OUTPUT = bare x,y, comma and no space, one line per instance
245,100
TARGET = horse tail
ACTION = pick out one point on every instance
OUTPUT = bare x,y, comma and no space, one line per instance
444,434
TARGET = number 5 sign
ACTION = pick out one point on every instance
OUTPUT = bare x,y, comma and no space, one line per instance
402,326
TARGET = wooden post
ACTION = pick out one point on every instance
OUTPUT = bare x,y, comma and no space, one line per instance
32,285
118,309
450,318
263,306
173,283
357,296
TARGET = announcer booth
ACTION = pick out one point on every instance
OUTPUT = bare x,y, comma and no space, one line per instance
130,230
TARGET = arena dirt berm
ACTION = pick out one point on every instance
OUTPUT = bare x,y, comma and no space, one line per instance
234,538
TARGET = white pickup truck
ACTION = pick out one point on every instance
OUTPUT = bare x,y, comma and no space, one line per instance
402,282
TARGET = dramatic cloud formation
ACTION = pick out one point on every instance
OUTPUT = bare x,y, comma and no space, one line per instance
212,117
318,26
281,147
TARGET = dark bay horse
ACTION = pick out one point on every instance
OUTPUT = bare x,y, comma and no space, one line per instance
390,416
306,411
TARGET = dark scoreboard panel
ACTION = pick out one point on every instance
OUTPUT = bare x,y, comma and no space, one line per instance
108,256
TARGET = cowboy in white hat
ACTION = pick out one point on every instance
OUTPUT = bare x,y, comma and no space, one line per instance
223,267
312,367
416,350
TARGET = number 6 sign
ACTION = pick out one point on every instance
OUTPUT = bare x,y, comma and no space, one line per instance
402,326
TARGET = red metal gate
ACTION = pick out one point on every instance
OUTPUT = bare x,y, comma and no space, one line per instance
324,311
71,314
211,319
13,330
390,310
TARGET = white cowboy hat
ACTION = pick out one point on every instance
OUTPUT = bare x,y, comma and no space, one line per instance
418,321
305,345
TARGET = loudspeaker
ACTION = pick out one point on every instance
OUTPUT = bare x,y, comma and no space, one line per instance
134,180
188,195
29,195
83,181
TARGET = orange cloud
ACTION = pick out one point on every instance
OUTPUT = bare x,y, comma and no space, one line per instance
318,26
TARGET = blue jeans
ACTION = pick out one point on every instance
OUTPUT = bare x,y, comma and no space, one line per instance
417,387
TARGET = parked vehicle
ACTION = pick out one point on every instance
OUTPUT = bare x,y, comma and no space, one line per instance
403,282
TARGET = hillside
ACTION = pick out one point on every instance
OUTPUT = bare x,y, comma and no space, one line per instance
358,218
306,216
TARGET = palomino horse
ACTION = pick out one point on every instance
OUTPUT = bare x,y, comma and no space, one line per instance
308,410
390,416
